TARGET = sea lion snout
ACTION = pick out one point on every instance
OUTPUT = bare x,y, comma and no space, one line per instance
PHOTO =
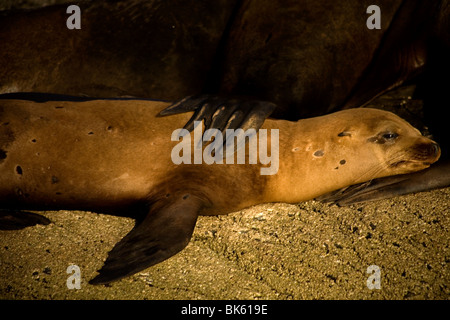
419,155
429,152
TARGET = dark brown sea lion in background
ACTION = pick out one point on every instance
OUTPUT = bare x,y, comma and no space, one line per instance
153,49
307,57
115,157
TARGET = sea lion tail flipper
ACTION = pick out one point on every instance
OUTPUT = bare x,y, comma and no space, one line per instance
165,231
437,176
222,112
15,220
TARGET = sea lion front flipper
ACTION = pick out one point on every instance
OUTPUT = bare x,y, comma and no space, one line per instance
222,113
15,220
437,176
165,231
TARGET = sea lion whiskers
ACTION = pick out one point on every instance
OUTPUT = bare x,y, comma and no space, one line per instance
371,173
379,167
393,161
398,157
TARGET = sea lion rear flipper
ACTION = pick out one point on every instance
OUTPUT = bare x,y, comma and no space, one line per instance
165,231
15,220
437,176
222,113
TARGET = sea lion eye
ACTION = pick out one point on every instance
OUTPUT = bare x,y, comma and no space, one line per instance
390,135
387,137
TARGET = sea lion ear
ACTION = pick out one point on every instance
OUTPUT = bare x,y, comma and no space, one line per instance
165,231
344,133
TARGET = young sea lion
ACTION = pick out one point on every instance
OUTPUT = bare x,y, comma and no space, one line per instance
115,157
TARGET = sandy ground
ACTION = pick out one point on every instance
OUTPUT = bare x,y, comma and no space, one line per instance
271,251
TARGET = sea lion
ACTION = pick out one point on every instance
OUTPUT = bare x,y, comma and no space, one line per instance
154,49
115,157
292,56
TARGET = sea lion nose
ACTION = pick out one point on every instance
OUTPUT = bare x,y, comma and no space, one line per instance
429,151
433,149
436,148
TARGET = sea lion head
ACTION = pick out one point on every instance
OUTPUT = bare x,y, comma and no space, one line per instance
345,148
396,147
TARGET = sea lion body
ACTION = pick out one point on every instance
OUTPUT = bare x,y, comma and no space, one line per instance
115,156
51,162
